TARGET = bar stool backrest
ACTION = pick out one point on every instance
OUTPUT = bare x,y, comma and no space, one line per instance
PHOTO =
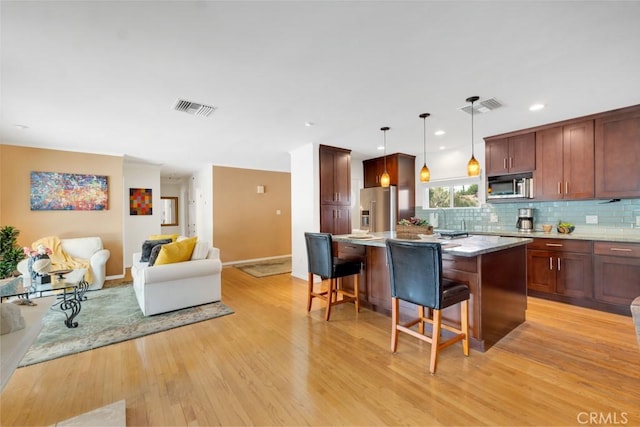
415,270
320,254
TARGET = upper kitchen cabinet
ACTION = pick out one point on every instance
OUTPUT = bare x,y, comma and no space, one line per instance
400,167
335,176
402,173
515,154
617,154
565,162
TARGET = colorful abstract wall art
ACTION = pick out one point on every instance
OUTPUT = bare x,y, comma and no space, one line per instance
54,191
140,201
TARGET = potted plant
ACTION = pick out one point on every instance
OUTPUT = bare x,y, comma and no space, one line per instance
10,253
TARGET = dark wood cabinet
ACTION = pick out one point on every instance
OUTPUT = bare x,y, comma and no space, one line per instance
335,219
401,169
617,273
600,275
617,154
565,162
335,190
373,170
335,176
560,267
514,154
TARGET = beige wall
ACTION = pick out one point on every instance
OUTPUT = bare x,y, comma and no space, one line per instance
245,223
16,164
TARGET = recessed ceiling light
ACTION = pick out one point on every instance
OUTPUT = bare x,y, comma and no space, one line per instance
21,127
442,147
536,107
381,147
439,132
308,124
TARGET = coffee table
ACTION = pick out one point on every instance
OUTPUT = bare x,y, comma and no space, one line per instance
14,286
73,287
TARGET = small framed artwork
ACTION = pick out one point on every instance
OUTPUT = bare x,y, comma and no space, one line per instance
140,201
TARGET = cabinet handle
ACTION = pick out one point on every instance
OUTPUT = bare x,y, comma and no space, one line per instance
338,196
504,163
566,187
558,263
334,213
559,187
510,162
550,263
621,249
557,245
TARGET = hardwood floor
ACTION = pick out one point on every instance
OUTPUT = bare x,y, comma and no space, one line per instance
271,363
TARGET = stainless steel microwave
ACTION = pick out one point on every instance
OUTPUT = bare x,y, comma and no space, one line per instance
510,187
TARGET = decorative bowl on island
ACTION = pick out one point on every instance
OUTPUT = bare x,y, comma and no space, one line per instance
565,227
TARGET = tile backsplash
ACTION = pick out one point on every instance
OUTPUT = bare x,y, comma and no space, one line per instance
614,218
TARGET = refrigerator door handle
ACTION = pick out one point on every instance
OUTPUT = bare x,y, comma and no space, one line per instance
372,217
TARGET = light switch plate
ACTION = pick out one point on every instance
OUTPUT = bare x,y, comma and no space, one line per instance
493,218
592,219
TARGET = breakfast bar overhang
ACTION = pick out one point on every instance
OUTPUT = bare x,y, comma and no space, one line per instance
494,267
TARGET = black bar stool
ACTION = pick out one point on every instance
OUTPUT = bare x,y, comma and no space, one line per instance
322,263
416,276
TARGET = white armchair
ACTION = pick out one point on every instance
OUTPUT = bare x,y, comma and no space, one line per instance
84,248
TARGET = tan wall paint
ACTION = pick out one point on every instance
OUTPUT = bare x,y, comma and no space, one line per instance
245,224
16,164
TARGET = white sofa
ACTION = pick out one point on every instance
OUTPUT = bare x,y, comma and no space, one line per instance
84,248
169,287
14,345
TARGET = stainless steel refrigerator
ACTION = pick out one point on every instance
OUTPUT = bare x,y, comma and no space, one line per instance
378,209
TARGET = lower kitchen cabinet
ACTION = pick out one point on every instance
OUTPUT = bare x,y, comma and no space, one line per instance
560,268
600,275
617,273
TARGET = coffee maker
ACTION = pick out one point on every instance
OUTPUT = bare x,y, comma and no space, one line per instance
525,220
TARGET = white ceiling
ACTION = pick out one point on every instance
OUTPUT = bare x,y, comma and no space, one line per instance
102,76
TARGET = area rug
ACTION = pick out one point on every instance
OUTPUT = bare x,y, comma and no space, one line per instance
107,317
267,268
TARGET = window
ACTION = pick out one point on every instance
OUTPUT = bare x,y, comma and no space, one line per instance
455,194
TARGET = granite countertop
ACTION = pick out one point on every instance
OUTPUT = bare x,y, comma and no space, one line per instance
606,235
465,246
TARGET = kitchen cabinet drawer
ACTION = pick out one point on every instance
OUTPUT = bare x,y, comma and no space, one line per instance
617,249
581,246
347,250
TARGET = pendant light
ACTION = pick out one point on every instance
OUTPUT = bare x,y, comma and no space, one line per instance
473,167
425,174
385,180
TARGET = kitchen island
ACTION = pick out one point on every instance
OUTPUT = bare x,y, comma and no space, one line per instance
494,267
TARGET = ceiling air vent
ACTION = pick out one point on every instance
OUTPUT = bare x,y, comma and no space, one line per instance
482,106
193,108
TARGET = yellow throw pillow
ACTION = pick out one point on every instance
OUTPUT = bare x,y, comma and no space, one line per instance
176,251
173,237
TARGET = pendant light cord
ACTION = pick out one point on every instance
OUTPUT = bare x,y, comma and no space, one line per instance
424,134
384,133
472,155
